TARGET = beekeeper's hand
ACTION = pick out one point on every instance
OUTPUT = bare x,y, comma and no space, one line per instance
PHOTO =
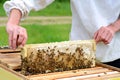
106,33
17,36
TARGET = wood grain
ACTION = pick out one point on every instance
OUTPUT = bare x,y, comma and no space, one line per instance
69,74
9,50
11,73
11,60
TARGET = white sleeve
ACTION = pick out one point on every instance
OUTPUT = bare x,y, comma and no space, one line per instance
25,6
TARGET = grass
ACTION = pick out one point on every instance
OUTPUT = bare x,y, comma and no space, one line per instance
41,33
2,12
55,9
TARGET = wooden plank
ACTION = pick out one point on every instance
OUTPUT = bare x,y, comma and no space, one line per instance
9,74
92,76
115,78
108,66
67,74
104,77
8,50
6,75
11,60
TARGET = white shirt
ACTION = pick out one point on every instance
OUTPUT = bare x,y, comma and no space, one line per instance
87,17
25,6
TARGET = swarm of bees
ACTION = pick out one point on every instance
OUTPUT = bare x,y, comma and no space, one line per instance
56,57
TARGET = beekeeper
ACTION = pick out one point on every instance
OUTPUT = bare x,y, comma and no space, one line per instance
91,19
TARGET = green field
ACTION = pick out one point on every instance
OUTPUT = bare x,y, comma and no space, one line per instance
55,9
41,33
2,12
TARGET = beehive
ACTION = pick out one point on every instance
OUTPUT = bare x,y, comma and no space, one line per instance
10,63
58,56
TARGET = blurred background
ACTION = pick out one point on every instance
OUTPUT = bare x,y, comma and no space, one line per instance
51,24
